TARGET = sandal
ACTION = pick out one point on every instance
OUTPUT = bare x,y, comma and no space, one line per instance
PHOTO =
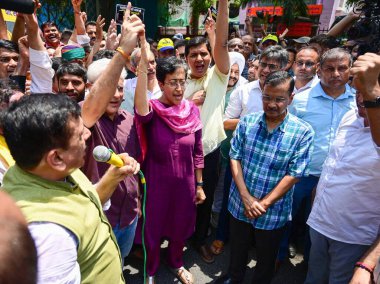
217,247
183,275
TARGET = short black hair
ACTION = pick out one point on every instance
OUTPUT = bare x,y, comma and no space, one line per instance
325,41
36,124
90,23
179,43
9,45
56,63
277,78
167,66
72,69
48,24
197,41
105,53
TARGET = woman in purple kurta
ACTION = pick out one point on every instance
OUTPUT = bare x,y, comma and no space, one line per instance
170,128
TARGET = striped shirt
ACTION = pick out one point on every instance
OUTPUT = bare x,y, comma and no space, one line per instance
266,157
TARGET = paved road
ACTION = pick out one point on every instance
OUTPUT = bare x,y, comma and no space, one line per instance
289,273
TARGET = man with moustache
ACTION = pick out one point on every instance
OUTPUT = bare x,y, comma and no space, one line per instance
9,55
345,218
154,90
253,68
247,98
91,31
236,44
72,78
250,52
323,107
305,69
51,35
269,153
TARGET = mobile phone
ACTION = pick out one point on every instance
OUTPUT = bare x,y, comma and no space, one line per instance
120,11
214,14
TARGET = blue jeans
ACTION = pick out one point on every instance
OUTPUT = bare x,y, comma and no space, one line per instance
331,261
125,237
302,191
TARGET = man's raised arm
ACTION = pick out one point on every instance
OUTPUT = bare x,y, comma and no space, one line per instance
221,57
104,88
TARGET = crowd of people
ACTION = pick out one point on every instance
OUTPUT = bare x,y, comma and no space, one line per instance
264,138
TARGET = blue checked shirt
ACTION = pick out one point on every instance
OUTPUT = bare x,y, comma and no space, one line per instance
266,157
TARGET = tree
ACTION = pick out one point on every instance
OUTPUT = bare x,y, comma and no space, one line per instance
58,11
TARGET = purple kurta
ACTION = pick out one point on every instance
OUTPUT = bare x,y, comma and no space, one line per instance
119,135
169,171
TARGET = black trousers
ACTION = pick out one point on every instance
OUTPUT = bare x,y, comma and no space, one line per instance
210,176
267,246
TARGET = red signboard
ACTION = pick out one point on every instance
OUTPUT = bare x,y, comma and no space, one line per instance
313,10
297,30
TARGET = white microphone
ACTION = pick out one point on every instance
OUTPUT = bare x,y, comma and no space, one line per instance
103,154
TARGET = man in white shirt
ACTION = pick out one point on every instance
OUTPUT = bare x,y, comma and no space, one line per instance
247,98
345,219
305,69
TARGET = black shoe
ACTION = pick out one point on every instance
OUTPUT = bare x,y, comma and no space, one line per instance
292,251
225,280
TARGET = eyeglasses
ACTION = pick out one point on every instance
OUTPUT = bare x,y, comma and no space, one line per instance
277,100
175,83
272,67
308,64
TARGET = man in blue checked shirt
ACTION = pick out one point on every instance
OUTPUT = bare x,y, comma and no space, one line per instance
269,153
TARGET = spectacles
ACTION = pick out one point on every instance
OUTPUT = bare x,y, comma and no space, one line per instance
175,83
308,64
272,67
277,100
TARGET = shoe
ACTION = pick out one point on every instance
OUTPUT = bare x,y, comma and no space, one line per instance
217,247
183,275
225,280
150,280
292,251
206,254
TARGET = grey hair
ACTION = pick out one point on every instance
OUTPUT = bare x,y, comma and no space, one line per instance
336,53
276,53
136,56
97,67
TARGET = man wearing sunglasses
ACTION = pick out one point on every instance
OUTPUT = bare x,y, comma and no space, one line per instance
247,98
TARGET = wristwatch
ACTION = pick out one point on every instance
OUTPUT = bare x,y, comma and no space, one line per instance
372,104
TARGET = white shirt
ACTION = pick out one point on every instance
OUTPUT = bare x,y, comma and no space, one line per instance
244,100
347,203
57,254
309,85
41,71
129,95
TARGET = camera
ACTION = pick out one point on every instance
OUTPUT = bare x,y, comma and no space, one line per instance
366,31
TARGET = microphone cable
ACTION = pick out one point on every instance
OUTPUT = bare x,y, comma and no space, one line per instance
143,182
